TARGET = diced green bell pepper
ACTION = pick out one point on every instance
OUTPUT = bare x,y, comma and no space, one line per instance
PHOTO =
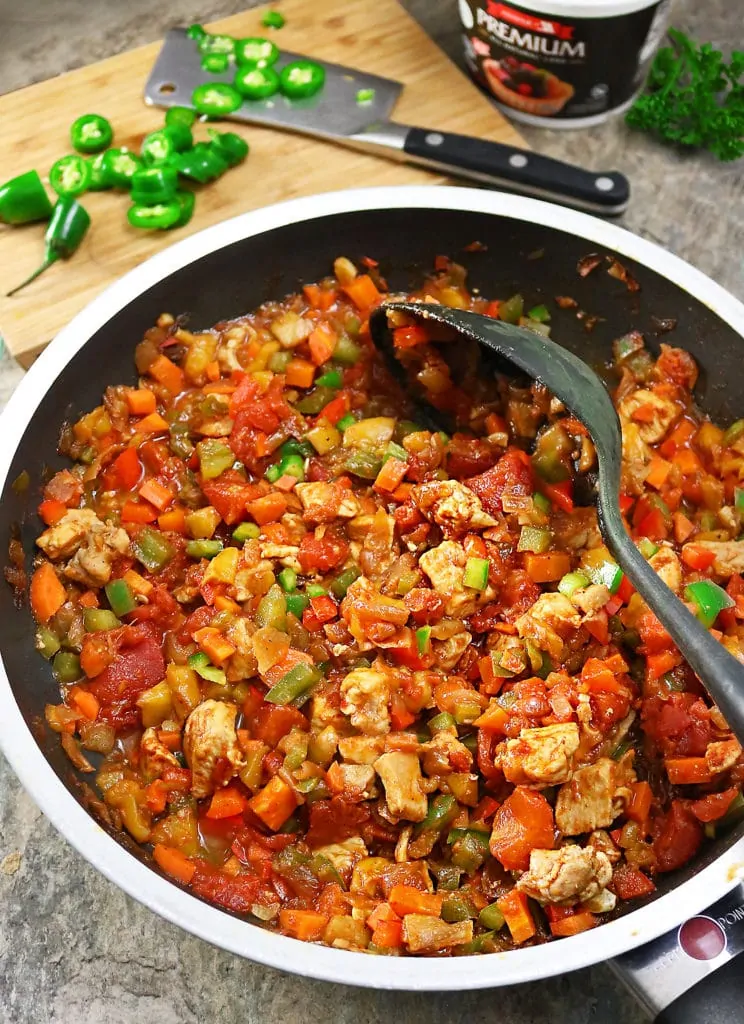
442,809
534,538
272,609
246,531
203,548
214,457
47,642
423,639
511,309
152,549
294,684
204,668
98,619
572,582
67,667
476,573
491,917
455,908
120,597
296,604
709,600
346,351
343,581
287,580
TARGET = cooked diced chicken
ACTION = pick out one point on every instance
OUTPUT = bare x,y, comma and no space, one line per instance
657,416
602,841
357,780
210,745
93,544
254,580
540,757
285,554
401,776
566,876
361,749
729,555
593,798
445,753
344,855
325,710
65,537
602,903
666,564
154,755
636,457
445,567
215,428
451,505
323,502
227,353
591,598
365,693
576,530
551,620
290,330
722,755
448,652
424,934
379,550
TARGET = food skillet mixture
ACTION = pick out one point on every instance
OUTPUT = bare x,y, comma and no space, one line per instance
379,687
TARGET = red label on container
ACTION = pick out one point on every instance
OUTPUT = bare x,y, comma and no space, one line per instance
529,21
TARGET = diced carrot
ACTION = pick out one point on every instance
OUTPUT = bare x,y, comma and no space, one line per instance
220,387
226,803
274,803
523,822
51,511
85,702
47,595
679,437
226,604
405,899
212,371
138,584
697,557
516,911
639,805
173,863
173,521
658,470
267,509
402,492
322,343
687,771
168,374
688,462
492,309
547,567
170,738
400,716
214,644
388,934
286,483
491,683
599,678
382,912
659,664
158,495
300,373
138,512
156,796
141,401
683,527
89,599
94,657
494,718
409,337
319,298
391,475
128,469
307,925
153,424
574,924
644,413
363,292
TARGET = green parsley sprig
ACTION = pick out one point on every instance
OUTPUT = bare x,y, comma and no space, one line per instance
694,98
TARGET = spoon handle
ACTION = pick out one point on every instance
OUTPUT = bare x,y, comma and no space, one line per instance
706,656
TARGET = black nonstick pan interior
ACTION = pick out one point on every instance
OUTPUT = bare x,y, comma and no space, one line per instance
537,261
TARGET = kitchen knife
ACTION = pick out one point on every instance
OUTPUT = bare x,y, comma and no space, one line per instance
335,114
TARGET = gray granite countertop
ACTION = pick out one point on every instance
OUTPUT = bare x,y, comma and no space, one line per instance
73,948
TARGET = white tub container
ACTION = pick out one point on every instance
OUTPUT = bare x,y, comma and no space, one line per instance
562,63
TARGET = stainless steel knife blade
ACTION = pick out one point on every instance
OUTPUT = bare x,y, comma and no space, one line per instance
332,113
335,113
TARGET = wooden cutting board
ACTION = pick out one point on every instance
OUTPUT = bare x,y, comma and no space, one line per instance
373,35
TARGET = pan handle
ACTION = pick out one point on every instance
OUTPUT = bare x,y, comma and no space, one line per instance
717,999
493,163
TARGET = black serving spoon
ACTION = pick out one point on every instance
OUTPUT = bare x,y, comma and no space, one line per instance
580,389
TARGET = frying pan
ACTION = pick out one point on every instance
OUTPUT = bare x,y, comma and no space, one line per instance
527,246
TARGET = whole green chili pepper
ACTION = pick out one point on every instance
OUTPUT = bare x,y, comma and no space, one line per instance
24,199
67,228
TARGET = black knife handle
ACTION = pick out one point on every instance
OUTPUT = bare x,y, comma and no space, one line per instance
493,163
717,999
